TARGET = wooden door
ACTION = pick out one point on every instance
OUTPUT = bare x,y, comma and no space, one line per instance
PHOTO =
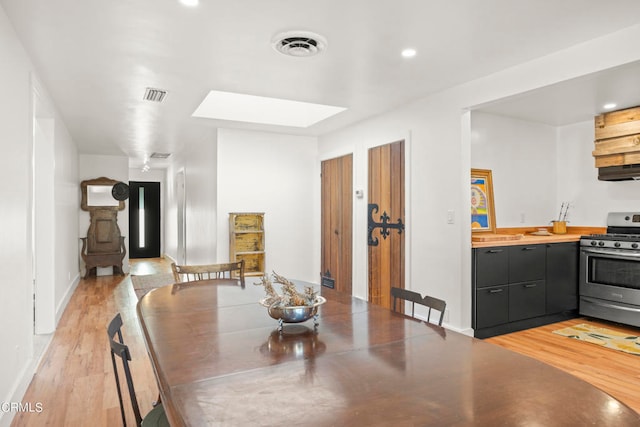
336,213
386,221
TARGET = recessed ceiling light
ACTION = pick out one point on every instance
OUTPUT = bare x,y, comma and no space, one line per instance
190,3
258,109
409,53
609,106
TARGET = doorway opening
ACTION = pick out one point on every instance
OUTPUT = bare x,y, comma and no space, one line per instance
144,219
42,221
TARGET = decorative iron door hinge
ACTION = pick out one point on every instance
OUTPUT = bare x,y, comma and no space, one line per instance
383,225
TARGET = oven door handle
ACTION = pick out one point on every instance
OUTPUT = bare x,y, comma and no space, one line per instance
604,304
612,253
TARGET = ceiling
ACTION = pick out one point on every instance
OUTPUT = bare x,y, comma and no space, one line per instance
96,58
574,100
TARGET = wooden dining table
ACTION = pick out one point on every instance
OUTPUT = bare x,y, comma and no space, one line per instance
220,360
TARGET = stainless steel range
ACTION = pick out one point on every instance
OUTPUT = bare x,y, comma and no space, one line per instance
610,271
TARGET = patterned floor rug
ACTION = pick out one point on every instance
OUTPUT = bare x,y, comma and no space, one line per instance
603,337
143,284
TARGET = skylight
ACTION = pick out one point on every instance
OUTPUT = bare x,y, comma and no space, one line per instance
257,109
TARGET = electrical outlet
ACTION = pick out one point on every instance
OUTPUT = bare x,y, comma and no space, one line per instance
522,218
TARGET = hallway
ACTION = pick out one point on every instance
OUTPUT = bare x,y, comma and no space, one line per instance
74,382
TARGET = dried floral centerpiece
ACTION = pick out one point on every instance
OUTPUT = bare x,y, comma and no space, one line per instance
291,306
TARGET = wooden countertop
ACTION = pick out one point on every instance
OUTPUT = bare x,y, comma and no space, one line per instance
505,236
529,239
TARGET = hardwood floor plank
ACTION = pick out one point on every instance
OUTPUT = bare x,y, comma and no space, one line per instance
615,372
75,383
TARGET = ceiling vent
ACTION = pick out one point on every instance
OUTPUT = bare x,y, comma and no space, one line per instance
154,95
160,155
299,43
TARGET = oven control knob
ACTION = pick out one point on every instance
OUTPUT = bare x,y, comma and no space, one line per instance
634,245
593,243
601,243
616,244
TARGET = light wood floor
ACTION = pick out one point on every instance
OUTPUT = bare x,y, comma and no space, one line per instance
75,384
613,371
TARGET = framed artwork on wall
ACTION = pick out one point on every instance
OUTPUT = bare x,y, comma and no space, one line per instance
483,215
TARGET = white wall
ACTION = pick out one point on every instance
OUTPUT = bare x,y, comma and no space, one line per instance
112,167
15,180
17,356
578,183
67,204
537,167
440,128
279,175
199,163
522,158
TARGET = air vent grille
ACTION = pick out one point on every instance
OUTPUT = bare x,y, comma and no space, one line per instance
299,43
154,95
160,155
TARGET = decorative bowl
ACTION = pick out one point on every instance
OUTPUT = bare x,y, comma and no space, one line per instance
295,314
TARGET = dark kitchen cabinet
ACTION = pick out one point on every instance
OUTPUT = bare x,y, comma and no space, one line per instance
492,266
522,286
562,277
493,306
526,300
526,263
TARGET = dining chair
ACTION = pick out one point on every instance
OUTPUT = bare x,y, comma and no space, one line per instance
435,304
416,298
190,273
157,416
407,295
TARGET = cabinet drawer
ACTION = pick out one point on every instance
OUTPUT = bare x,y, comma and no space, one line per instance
526,300
492,306
491,266
527,263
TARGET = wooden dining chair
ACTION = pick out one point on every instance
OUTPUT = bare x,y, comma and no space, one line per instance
190,273
157,416
406,295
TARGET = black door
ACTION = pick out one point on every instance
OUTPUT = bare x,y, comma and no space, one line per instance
144,219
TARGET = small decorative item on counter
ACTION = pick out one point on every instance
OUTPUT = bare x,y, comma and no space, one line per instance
291,306
559,227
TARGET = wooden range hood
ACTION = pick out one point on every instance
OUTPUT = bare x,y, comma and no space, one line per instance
617,145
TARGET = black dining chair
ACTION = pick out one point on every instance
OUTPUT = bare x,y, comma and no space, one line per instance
157,416
415,298
436,304
406,295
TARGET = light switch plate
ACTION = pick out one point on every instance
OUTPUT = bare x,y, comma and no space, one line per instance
451,216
